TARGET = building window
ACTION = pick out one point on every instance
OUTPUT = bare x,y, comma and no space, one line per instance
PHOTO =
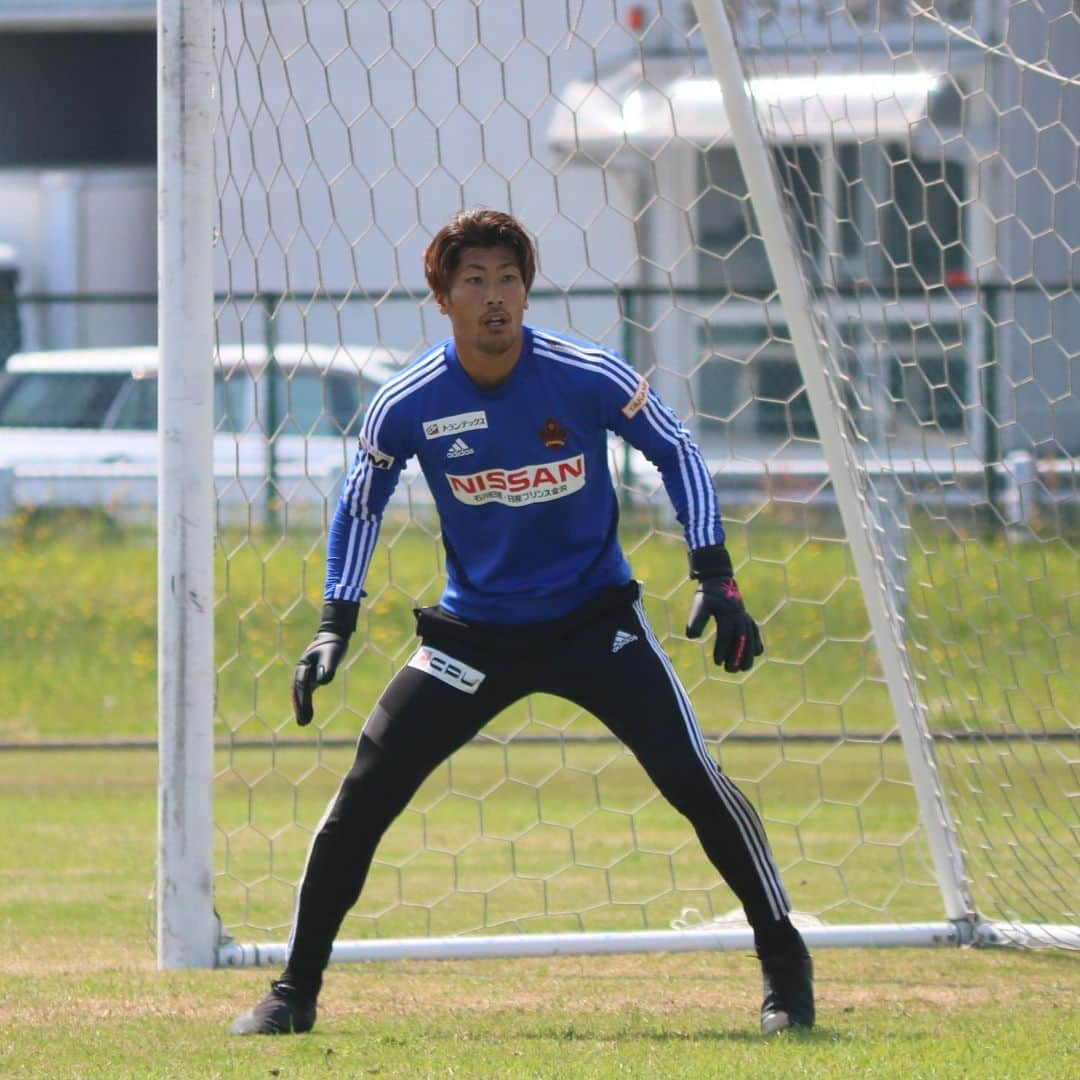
900,217
901,380
78,99
928,376
731,255
753,381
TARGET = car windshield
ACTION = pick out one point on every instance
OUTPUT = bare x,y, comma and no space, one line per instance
313,404
304,403
57,399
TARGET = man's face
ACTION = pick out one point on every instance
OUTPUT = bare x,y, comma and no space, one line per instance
486,301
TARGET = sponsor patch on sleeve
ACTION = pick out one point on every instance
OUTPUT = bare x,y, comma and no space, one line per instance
377,457
637,402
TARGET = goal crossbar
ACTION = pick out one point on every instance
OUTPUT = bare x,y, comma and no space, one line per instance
586,943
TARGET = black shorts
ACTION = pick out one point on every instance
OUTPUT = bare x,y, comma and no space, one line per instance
605,658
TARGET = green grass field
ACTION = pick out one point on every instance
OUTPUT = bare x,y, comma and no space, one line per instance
510,828
993,624
80,995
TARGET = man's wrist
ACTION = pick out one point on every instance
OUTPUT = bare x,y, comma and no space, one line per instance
339,617
712,561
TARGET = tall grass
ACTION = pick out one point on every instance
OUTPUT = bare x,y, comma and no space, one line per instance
992,627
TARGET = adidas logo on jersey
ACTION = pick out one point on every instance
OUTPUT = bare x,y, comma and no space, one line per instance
622,639
459,448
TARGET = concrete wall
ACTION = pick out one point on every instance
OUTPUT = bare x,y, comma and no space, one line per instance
82,231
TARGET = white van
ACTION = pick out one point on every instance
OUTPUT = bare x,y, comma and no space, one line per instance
79,426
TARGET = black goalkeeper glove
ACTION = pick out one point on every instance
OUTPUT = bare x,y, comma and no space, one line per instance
322,656
738,639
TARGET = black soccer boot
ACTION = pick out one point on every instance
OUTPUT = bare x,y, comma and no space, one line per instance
789,990
284,1011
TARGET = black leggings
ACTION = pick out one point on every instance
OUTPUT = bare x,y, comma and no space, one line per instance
610,664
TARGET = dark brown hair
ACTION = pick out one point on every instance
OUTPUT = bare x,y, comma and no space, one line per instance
482,228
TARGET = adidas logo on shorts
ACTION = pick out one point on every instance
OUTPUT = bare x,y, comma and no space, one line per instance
459,448
622,639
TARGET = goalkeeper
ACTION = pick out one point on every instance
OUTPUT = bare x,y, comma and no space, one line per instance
510,425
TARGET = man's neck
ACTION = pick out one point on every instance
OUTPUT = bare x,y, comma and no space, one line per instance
489,370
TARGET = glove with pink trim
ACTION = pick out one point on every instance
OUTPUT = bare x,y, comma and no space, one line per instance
738,639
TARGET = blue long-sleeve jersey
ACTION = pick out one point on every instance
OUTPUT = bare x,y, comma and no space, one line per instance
519,475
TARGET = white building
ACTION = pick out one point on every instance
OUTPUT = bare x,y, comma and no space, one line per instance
77,154
349,133
936,191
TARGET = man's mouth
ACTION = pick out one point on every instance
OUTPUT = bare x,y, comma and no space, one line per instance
497,321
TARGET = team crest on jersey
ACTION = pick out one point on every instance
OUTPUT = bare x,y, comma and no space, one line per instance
553,434
637,402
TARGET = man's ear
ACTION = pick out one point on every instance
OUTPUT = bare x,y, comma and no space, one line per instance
440,299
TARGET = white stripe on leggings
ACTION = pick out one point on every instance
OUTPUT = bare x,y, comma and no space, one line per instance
750,827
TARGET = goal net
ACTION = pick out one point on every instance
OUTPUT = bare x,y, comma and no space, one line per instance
840,240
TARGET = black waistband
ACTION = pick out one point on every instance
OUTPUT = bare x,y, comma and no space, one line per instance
437,622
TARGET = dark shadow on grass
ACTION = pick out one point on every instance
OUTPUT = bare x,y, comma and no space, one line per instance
818,1036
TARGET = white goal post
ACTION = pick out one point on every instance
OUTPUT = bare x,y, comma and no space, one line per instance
838,241
186,927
